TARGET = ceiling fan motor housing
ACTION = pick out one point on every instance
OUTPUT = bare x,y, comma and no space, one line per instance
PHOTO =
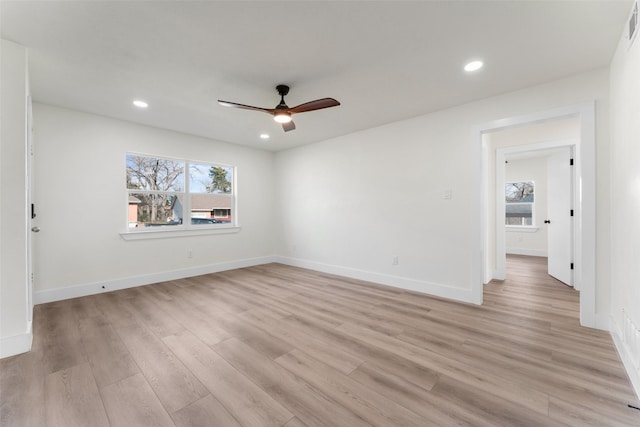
282,91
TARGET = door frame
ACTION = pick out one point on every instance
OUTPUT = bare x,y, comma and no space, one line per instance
30,212
585,202
501,154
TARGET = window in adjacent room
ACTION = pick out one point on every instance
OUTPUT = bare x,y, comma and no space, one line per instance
519,201
176,193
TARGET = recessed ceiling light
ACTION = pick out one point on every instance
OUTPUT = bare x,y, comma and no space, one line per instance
140,104
473,66
264,136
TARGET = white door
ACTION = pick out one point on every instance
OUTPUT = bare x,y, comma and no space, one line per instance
559,221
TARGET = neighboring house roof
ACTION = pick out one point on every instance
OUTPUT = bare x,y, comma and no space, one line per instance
208,202
133,199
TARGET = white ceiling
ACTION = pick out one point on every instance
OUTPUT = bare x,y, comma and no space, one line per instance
383,60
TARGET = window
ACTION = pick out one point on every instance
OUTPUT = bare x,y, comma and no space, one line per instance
519,199
178,193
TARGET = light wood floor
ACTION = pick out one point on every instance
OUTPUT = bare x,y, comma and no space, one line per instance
280,346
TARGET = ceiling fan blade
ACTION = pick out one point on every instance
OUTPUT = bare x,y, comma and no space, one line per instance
243,106
318,104
288,126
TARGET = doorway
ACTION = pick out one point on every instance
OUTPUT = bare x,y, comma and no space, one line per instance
486,266
534,206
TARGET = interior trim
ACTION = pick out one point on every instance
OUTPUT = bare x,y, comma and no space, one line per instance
430,288
81,290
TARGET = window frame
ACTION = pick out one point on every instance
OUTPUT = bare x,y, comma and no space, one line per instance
185,228
532,204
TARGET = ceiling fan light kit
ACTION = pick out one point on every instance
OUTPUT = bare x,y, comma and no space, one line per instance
282,117
282,113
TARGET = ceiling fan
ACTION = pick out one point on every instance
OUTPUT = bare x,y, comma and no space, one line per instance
282,112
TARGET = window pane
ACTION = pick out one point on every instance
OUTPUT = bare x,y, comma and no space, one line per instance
519,220
214,208
207,178
152,210
519,192
519,214
151,173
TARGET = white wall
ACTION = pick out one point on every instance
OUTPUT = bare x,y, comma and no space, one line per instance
80,194
348,205
625,205
529,243
15,322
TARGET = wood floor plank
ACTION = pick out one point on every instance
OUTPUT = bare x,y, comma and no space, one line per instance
206,412
308,404
388,361
88,311
159,322
550,379
72,399
132,402
487,406
22,401
263,341
342,315
295,422
258,284
318,314
174,384
117,314
61,340
577,415
409,395
463,371
589,365
199,322
366,403
248,403
109,358
335,357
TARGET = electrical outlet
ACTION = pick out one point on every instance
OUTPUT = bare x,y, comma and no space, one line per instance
394,260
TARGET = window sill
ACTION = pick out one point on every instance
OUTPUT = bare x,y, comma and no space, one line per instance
168,234
521,228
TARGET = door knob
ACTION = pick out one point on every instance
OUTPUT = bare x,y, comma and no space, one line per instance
547,221
35,229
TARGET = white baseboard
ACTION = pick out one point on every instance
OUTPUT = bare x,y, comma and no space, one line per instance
17,344
626,354
462,295
527,252
59,294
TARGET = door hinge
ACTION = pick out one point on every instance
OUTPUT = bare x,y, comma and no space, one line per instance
572,266
571,212
570,162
